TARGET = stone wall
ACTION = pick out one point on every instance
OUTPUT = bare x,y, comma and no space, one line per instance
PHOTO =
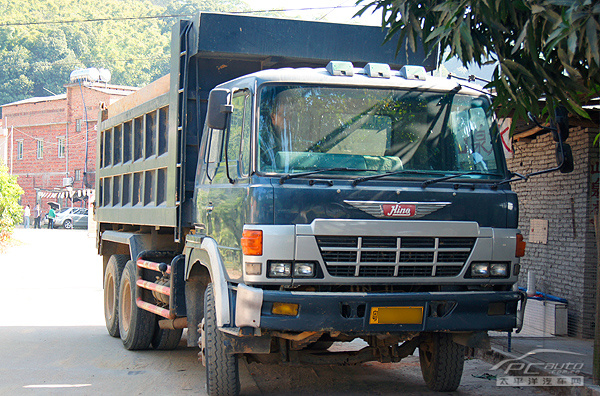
566,265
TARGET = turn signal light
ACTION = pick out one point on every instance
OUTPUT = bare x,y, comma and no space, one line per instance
520,249
287,309
252,242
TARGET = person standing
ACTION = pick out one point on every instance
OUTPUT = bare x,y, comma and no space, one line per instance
37,214
26,216
51,216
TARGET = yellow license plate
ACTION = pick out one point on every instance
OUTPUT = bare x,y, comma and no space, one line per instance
396,315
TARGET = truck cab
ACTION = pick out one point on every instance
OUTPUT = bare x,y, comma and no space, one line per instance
358,203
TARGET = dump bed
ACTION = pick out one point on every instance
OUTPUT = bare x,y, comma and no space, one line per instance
148,143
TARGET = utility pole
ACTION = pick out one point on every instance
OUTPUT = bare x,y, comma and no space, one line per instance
596,358
12,139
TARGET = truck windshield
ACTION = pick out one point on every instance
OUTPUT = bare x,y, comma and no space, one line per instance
305,128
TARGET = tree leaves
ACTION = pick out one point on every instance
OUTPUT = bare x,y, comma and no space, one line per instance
547,49
10,210
36,58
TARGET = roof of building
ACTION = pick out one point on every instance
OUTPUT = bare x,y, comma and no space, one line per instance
37,99
112,91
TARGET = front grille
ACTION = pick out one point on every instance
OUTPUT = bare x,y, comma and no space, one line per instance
376,271
403,257
342,270
339,257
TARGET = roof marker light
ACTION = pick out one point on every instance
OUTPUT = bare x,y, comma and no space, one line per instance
378,70
413,72
340,68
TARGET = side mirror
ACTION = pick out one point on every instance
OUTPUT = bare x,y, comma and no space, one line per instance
560,124
564,158
219,108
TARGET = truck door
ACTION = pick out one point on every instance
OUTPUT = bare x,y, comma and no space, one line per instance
221,204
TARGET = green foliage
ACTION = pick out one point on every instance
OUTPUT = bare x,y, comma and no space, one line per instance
543,48
39,57
10,210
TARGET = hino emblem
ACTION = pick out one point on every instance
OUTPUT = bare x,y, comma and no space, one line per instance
399,210
413,210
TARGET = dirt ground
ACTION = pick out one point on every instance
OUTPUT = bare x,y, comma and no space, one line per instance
53,340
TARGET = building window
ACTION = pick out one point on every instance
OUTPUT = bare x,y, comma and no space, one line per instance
78,125
19,149
77,174
61,147
40,148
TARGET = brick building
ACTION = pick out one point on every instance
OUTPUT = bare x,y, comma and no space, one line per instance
51,142
557,219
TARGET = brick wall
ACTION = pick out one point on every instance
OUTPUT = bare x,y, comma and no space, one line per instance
48,119
566,265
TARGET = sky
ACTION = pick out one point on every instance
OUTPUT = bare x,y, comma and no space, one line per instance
342,11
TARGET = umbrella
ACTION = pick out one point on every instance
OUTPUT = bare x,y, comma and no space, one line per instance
54,205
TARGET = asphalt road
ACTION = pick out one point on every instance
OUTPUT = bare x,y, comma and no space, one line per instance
53,340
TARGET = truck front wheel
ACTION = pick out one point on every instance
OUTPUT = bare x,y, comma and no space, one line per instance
112,280
442,362
136,325
222,375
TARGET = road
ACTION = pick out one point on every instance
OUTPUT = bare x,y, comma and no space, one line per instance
53,340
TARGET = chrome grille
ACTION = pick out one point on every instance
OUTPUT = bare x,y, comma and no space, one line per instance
403,257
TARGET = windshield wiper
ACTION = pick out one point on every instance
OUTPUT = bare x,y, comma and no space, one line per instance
289,176
440,179
399,172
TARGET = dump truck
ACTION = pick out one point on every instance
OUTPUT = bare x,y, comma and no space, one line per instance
293,184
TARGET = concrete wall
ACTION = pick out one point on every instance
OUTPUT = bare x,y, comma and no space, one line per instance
566,265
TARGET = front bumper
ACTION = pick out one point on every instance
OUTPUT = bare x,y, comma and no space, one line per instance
350,312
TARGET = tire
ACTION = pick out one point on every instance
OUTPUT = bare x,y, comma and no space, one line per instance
165,339
136,326
112,280
442,362
222,374
68,224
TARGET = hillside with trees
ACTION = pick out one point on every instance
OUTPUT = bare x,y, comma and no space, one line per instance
43,41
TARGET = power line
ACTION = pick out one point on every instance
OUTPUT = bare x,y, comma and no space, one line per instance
91,20
167,16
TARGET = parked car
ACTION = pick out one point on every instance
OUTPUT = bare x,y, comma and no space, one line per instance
71,217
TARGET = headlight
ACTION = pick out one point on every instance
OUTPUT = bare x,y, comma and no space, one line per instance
479,270
304,270
280,270
499,270
489,270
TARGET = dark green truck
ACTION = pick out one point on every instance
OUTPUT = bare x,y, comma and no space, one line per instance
293,184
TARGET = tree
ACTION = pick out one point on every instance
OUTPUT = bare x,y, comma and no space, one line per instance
10,210
544,49
37,54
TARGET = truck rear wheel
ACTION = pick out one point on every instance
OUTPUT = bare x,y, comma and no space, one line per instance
112,280
442,362
222,374
136,325
165,339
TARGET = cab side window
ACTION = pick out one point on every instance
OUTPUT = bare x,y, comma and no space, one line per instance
245,144
213,152
238,152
